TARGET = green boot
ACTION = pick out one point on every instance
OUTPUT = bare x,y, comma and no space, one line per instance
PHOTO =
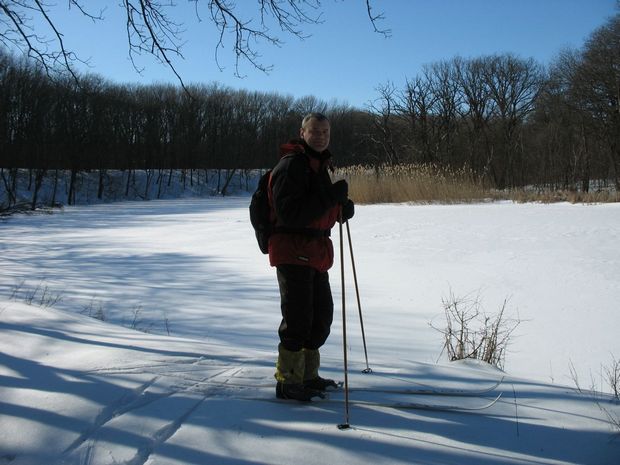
290,376
312,379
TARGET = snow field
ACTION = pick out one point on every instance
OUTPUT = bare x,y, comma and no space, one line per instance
75,390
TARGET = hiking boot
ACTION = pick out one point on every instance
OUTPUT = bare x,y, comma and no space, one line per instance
321,384
297,392
312,380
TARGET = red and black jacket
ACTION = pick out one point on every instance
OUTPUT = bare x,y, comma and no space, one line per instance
304,208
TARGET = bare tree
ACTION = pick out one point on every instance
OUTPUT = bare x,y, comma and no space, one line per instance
415,105
565,131
153,28
444,86
476,109
384,112
514,86
596,87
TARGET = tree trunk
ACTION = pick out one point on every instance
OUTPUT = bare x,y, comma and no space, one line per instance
71,198
100,188
40,174
128,182
9,188
229,177
53,199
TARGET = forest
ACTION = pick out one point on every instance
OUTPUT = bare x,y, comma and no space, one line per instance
509,120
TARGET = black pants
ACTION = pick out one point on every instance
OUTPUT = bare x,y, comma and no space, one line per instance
307,307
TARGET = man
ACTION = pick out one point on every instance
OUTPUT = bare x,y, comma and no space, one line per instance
305,205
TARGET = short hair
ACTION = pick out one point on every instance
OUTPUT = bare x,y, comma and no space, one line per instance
313,115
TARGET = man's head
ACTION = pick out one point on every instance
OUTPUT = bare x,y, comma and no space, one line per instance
315,131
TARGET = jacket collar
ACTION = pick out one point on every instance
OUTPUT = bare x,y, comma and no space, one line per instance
300,146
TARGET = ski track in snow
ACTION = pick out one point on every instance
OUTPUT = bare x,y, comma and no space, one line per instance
133,400
241,384
86,445
162,435
203,379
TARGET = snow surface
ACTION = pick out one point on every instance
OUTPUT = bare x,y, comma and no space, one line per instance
181,370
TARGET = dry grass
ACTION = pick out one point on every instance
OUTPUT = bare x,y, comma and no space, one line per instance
433,184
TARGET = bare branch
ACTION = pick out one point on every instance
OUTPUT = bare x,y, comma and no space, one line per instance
151,31
64,55
289,20
16,30
374,18
226,20
288,14
78,5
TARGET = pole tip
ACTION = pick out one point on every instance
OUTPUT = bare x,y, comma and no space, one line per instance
344,426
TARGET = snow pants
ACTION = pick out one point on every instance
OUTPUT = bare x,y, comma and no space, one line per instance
307,307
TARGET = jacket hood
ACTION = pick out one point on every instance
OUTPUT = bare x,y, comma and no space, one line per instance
293,146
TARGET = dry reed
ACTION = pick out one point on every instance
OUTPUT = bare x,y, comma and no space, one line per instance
435,184
412,183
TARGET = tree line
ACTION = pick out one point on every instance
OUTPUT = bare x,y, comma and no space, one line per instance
510,120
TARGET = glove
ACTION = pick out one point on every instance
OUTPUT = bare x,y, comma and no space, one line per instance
348,210
340,191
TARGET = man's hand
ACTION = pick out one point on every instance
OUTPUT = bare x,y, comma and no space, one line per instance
340,191
348,210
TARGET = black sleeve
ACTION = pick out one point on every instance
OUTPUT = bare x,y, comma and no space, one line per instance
299,195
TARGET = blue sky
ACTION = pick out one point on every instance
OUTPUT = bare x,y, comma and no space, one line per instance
344,59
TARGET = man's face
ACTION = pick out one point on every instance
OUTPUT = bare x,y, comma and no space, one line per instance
316,134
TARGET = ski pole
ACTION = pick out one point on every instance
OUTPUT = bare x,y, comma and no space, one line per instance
359,303
346,424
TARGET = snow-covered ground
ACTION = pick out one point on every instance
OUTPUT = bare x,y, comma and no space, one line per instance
197,386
